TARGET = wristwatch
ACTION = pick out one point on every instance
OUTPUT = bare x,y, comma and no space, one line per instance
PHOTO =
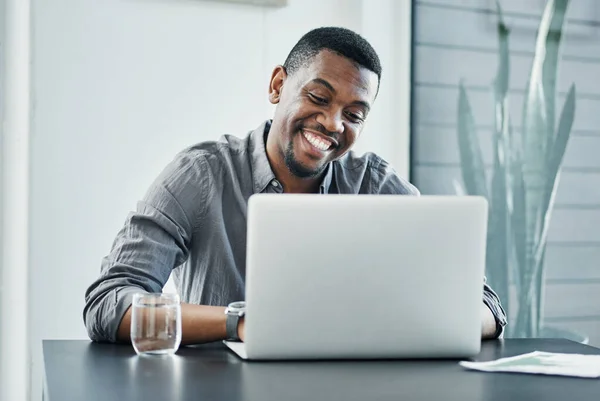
234,311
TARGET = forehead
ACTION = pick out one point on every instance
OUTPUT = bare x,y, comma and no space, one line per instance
343,74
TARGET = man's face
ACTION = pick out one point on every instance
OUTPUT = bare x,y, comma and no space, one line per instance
321,111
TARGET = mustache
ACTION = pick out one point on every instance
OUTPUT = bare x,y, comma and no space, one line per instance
319,128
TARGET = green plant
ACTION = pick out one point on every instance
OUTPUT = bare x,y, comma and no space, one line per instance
526,170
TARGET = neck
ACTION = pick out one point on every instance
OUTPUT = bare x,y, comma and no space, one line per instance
294,185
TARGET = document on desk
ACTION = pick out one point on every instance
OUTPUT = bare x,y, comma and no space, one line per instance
542,363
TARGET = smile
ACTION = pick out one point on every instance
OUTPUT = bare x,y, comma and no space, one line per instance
317,141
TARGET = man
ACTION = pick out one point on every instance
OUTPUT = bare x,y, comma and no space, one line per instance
192,221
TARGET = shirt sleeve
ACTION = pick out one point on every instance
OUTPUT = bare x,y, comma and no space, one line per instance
154,239
389,181
491,299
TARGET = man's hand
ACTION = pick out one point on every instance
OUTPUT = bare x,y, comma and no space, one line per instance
488,323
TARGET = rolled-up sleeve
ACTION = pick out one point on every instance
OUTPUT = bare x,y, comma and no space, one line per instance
154,240
491,299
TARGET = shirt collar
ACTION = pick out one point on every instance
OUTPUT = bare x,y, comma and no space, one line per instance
262,174
326,183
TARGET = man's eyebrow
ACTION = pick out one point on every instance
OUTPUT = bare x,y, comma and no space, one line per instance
364,104
326,84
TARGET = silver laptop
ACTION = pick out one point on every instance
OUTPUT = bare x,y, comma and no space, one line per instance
367,276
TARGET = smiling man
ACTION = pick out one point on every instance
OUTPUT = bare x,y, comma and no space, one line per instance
321,109
192,220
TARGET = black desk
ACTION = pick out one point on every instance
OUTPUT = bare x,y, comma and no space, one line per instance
80,370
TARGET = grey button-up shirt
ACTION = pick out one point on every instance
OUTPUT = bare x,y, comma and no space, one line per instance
192,222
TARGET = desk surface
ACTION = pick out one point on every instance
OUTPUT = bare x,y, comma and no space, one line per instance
81,370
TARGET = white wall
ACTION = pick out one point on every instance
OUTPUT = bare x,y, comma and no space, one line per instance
120,86
14,199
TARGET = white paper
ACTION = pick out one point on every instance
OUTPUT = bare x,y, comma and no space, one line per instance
543,363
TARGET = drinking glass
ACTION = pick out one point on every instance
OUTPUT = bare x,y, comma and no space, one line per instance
156,324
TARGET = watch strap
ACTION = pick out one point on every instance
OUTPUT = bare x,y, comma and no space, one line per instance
231,326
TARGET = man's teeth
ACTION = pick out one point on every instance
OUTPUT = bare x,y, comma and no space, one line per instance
316,141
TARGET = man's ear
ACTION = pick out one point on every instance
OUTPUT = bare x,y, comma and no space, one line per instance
276,84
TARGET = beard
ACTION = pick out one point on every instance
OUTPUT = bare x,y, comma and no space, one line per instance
298,169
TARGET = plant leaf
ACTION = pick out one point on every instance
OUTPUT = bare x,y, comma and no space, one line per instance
539,301
554,162
562,134
518,221
458,189
536,130
550,64
501,81
472,167
499,255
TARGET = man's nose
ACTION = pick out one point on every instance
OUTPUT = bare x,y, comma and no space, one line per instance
333,122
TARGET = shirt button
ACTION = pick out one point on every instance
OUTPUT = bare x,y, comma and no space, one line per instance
275,183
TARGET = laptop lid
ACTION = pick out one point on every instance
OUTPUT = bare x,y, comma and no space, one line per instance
368,276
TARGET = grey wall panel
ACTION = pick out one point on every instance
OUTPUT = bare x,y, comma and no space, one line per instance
567,301
449,66
455,27
570,262
575,188
588,327
575,225
438,105
578,9
440,144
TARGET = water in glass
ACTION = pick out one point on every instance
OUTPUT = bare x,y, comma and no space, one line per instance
156,324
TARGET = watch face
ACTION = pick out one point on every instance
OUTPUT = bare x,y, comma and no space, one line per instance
236,306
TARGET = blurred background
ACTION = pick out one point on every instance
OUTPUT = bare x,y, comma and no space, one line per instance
516,80
98,96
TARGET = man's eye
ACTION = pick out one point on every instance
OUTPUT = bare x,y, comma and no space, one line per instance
354,117
317,99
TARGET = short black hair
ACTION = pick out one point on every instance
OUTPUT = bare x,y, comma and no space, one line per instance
343,41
